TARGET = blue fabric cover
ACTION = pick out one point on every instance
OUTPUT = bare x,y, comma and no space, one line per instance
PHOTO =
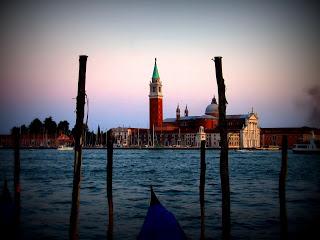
160,224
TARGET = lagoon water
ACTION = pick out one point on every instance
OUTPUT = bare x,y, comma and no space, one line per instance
46,187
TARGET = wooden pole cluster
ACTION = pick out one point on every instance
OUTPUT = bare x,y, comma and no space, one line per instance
224,172
110,141
78,138
202,185
282,189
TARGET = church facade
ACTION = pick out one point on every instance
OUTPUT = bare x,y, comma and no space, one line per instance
184,130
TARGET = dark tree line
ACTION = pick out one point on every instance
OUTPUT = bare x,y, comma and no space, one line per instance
94,139
50,127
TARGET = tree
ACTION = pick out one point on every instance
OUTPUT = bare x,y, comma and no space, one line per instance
50,126
93,138
86,132
14,130
24,130
103,138
98,136
63,127
35,126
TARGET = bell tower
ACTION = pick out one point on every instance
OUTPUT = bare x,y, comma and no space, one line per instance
155,99
178,113
186,112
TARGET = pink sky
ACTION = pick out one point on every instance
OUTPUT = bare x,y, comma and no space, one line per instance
269,60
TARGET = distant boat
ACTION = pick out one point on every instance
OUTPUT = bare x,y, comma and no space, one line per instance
160,224
310,147
270,148
64,148
243,150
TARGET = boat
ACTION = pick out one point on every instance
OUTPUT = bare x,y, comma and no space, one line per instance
64,148
307,148
159,223
243,150
270,148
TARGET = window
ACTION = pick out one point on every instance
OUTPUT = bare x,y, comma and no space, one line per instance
153,89
159,89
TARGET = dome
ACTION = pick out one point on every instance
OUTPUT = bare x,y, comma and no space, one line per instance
212,109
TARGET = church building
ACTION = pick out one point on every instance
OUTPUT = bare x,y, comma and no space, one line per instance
244,130
185,130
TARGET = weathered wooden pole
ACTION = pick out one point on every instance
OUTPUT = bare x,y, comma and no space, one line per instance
16,178
202,185
224,169
110,141
282,189
78,138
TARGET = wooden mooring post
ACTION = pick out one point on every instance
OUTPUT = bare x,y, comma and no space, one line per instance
78,139
16,178
110,141
202,186
282,189
224,169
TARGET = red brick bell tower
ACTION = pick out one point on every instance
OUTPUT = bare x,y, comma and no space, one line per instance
155,100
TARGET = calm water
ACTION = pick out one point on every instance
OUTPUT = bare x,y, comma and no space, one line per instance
46,182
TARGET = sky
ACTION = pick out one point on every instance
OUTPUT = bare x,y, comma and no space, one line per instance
270,57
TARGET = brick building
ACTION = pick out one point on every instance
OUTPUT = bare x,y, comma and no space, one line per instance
185,130
273,136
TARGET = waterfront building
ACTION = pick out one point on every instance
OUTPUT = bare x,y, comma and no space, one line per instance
40,140
122,136
6,140
233,139
188,130
273,136
244,130
209,120
201,136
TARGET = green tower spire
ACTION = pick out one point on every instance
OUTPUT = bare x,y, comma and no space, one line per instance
155,74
